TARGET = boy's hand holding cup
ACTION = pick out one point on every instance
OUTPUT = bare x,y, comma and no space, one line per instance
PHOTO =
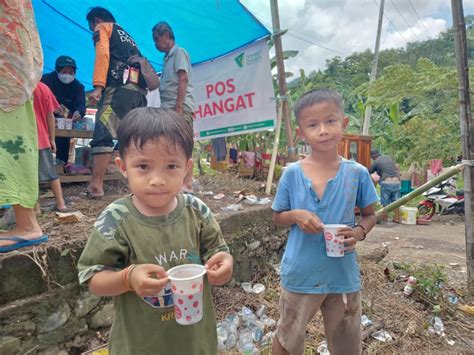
341,239
147,279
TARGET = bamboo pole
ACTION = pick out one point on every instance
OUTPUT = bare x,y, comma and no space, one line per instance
394,205
276,143
467,132
277,33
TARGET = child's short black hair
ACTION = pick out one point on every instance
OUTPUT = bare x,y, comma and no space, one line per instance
100,12
315,97
144,124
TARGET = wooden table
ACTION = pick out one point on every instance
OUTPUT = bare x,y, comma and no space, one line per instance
74,133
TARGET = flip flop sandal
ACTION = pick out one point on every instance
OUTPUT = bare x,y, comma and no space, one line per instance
21,242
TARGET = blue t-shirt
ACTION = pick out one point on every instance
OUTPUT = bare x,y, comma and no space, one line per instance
305,267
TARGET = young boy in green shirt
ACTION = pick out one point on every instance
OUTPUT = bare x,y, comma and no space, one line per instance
137,238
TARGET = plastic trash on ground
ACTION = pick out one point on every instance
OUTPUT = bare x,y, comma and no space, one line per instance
261,310
258,288
382,335
232,208
323,348
365,321
247,287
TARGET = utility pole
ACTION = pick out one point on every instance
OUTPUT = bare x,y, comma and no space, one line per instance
373,73
467,132
277,33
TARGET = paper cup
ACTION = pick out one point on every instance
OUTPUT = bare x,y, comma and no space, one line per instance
187,284
334,244
61,123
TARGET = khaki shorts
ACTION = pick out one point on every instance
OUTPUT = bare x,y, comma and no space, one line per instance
341,326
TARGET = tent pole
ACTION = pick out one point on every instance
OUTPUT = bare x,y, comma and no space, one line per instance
276,143
282,78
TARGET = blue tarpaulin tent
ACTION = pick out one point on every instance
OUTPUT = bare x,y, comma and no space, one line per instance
206,28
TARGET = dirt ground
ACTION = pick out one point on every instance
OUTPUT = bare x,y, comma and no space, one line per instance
442,242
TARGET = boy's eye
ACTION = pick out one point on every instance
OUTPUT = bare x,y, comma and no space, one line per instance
172,166
332,121
142,167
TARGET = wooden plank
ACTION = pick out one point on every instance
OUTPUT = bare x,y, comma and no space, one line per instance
67,178
73,133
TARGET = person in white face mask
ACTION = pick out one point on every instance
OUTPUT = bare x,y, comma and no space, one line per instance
70,94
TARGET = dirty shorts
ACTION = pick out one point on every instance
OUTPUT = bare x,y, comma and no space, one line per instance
115,103
19,157
341,325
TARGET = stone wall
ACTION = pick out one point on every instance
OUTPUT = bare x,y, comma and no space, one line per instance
43,310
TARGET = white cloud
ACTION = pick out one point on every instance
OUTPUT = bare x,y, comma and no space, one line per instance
346,26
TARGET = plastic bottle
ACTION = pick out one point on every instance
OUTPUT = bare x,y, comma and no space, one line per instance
245,343
409,287
261,310
234,322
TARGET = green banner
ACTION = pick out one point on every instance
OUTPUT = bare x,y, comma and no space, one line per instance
241,129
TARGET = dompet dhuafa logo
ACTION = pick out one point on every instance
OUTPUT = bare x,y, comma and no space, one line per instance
242,59
239,60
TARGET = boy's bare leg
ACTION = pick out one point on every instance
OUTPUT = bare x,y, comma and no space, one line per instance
37,208
277,348
58,194
96,186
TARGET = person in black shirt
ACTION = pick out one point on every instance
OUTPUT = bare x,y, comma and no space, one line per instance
70,93
390,183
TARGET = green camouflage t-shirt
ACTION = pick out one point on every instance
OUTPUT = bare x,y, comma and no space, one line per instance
123,236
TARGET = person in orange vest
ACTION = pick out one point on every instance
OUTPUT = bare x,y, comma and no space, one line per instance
117,89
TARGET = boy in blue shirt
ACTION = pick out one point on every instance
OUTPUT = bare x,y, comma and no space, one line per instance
321,189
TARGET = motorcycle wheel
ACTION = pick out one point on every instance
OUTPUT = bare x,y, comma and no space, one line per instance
459,210
426,212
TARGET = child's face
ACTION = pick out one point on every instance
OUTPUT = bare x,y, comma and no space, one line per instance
155,175
321,126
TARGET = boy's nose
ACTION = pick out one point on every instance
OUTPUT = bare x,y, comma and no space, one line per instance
323,129
157,180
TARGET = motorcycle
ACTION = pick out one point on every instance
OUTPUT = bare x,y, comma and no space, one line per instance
442,199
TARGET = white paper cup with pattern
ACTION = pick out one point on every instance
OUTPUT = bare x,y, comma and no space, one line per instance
187,283
334,243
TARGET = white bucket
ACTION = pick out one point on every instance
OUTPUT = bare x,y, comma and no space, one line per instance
408,215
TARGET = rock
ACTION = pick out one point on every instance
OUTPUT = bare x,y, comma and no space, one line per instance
451,222
67,332
103,318
86,303
10,345
53,350
55,320
19,328
254,245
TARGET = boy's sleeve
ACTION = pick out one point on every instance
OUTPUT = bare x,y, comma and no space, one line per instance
105,249
282,197
366,193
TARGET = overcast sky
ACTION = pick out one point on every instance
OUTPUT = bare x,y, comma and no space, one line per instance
322,29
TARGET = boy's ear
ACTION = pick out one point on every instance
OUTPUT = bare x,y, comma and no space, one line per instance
189,166
345,122
121,165
298,131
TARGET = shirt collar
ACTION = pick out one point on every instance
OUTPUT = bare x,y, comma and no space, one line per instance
171,52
